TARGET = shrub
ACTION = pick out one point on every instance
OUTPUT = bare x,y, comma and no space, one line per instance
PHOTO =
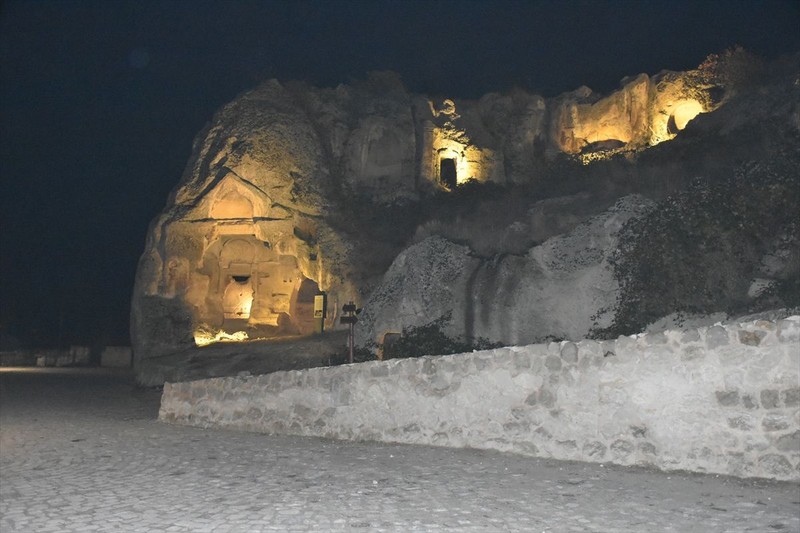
698,251
360,355
430,339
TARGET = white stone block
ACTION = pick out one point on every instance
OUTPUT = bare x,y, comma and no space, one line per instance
116,356
78,355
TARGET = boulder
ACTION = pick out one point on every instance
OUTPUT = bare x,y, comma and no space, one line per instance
562,288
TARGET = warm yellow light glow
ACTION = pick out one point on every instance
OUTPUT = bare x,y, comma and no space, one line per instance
467,160
672,118
464,171
685,111
232,205
469,167
246,304
238,299
204,337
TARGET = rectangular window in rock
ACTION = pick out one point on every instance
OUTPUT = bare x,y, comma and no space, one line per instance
447,173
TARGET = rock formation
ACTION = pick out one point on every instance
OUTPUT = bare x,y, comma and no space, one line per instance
293,191
561,288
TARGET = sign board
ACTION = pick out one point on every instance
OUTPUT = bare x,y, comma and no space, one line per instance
319,306
320,312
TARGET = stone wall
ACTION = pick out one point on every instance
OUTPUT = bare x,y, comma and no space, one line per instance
722,399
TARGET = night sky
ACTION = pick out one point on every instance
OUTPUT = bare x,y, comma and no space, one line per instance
100,101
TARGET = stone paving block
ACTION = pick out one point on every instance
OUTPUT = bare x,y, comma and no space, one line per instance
716,336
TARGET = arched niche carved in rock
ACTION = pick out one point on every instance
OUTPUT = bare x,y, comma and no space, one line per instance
237,299
237,250
302,307
255,289
232,205
683,113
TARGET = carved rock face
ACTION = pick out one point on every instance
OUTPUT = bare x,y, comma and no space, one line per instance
644,112
243,246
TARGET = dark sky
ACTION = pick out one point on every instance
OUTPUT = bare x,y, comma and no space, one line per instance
100,101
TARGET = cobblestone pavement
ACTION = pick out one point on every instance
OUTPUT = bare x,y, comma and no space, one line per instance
80,450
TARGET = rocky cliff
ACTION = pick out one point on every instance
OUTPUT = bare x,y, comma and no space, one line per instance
293,191
711,227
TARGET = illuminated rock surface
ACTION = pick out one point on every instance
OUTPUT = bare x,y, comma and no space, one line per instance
294,190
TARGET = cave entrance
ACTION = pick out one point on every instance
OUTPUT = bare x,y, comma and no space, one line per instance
447,173
302,311
672,127
254,289
683,113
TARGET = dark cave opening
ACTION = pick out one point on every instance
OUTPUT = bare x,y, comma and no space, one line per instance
447,173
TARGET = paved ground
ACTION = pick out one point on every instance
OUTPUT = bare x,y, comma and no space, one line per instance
81,451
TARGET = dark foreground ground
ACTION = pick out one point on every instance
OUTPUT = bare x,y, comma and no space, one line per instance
255,357
81,450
